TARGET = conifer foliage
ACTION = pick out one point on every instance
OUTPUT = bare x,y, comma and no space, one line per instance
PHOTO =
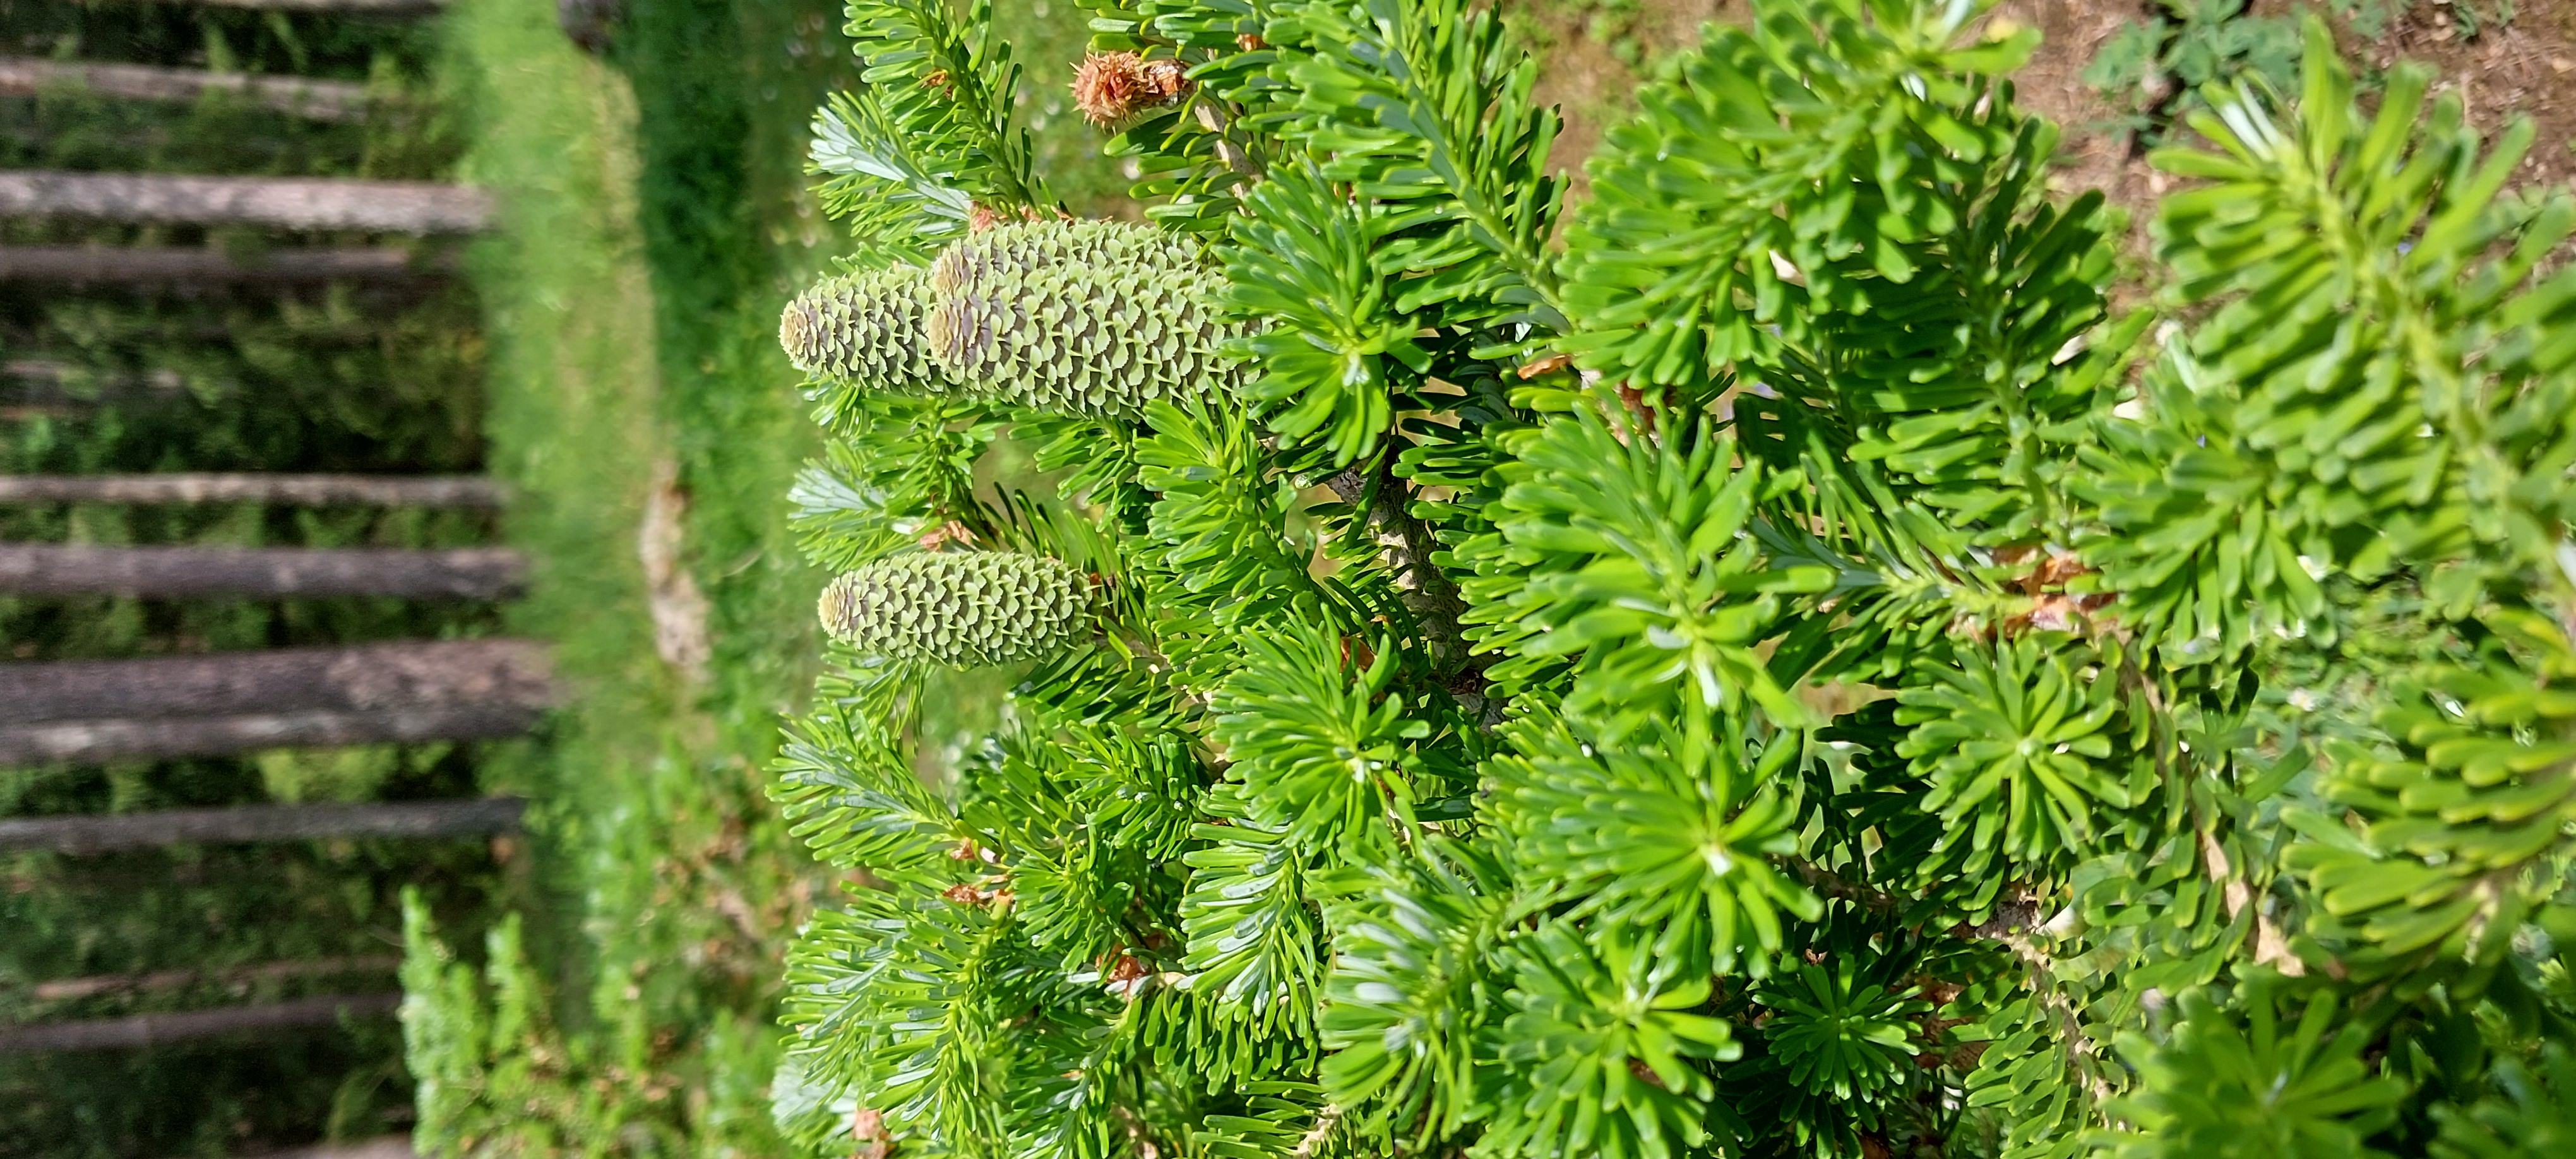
1768,660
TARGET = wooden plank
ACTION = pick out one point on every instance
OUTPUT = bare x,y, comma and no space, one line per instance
71,989
92,742
274,572
356,7
261,824
88,265
469,491
303,203
351,678
319,100
148,1030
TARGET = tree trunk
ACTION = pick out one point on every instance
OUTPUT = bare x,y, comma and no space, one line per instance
320,100
143,1030
363,678
245,824
284,202
96,741
71,989
86,265
272,572
286,490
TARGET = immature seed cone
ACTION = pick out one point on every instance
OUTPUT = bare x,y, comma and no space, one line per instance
1083,317
1006,247
1110,87
866,329
961,609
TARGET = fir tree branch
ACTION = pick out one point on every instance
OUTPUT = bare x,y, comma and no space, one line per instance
1232,148
1327,1121
1856,418
1406,546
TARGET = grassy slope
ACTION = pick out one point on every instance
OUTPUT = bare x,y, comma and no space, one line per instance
671,881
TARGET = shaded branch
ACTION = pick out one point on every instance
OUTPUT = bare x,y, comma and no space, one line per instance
1406,545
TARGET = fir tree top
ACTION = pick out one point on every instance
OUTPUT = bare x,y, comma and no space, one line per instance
1789,668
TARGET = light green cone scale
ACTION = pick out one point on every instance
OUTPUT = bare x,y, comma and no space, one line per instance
865,329
1090,318
961,609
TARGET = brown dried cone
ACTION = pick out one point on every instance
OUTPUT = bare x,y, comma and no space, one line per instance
1112,87
961,609
1079,317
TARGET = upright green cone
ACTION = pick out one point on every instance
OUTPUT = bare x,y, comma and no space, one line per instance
1016,247
865,329
963,609
1082,317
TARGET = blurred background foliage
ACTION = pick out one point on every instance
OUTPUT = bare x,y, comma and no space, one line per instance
359,378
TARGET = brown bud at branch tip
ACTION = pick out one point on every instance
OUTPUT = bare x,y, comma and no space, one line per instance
1110,87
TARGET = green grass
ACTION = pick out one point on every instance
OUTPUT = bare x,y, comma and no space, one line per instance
670,882
655,221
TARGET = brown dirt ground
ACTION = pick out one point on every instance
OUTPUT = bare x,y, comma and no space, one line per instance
2526,66
1583,78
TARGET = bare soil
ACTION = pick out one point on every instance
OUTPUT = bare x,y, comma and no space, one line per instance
1583,75
2524,66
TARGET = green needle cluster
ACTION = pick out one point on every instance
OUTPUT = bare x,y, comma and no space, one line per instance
1809,659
